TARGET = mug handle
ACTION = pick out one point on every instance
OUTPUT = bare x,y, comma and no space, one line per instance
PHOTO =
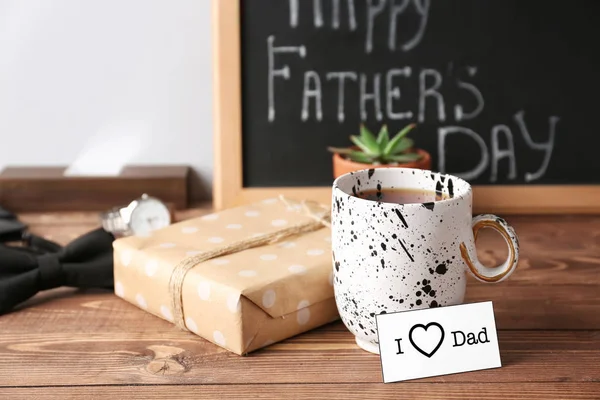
469,254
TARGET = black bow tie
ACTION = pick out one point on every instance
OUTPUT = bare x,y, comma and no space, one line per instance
10,227
86,262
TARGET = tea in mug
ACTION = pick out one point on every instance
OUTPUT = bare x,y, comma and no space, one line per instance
402,195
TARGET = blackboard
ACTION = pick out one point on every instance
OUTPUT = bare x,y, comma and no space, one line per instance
504,92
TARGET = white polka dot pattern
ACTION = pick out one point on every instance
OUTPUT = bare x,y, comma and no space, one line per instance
210,217
287,257
191,324
297,269
151,267
204,290
166,312
126,257
287,245
268,299
303,315
279,222
219,338
141,301
119,289
233,303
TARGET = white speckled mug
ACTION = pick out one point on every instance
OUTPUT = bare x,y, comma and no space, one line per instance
391,257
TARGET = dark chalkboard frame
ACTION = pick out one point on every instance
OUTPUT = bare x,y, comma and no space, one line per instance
228,188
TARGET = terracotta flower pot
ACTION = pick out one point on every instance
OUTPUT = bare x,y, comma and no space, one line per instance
343,165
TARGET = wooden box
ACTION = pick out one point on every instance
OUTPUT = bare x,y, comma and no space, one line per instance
24,189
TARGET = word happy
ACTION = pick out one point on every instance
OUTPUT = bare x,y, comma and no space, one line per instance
379,94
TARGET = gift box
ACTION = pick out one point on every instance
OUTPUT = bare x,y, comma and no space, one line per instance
243,278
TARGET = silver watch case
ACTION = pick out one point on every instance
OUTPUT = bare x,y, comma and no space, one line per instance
117,220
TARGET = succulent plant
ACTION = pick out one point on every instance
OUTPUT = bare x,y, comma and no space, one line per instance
381,149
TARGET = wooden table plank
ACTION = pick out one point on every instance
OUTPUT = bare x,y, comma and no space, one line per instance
393,391
554,249
67,342
158,353
516,306
70,311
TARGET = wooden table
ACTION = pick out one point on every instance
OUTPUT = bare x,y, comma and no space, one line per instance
75,344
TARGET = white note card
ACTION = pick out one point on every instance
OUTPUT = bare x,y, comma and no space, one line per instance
437,341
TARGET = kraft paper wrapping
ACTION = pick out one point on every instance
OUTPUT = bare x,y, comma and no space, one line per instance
243,301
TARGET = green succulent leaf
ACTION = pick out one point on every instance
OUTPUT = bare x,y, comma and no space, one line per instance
402,145
402,158
390,148
368,139
406,129
368,149
360,157
383,138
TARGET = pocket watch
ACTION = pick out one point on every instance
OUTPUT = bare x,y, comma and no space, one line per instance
142,216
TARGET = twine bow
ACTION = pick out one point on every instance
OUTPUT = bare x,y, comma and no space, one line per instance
320,217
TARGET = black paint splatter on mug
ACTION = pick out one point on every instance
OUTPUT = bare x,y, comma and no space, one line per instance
397,257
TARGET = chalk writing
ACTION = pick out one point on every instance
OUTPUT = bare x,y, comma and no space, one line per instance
318,13
374,8
422,7
393,93
294,13
335,18
318,19
341,77
443,132
448,93
283,72
498,154
395,11
370,96
459,113
547,147
431,91
314,92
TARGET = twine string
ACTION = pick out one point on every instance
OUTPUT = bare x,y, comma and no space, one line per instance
319,215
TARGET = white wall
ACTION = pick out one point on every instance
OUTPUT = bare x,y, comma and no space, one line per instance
127,79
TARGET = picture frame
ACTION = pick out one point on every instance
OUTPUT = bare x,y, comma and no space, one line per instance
228,187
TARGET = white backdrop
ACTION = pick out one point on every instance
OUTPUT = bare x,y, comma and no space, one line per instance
125,79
